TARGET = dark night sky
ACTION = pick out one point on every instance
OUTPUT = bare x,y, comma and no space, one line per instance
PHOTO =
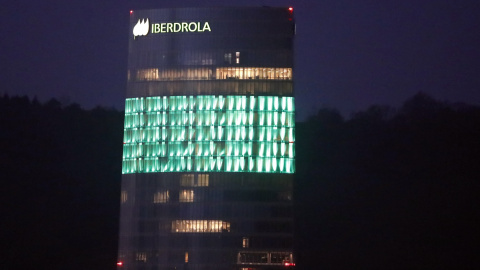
349,54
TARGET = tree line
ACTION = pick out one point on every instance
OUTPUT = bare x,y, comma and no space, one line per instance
388,187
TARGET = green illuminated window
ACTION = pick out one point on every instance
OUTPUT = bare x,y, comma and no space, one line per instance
209,133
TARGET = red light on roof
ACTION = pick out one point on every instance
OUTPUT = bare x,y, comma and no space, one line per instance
131,12
119,263
290,9
289,264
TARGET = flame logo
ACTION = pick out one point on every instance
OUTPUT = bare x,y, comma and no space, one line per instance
141,28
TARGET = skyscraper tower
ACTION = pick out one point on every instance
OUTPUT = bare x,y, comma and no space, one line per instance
209,140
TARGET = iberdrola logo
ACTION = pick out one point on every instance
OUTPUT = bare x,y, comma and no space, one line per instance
141,28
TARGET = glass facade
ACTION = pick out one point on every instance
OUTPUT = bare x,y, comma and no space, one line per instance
209,140
209,134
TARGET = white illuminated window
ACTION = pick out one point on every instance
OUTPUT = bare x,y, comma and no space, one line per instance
161,197
272,258
148,74
202,180
228,58
155,74
200,226
249,73
187,180
245,242
237,57
123,197
186,195
141,256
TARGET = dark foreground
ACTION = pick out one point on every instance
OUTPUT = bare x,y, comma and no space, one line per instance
386,189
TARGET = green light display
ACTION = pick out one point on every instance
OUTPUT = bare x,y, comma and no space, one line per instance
209,134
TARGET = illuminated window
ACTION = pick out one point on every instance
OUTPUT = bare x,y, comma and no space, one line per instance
228,58
237,57
209,134
202,180
207,61
123,197
149,74
141,256
161,197
271,258
249,73
245,242
200,226
187,180
155,74
186,257
186,195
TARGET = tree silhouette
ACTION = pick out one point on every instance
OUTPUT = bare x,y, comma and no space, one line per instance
387,188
